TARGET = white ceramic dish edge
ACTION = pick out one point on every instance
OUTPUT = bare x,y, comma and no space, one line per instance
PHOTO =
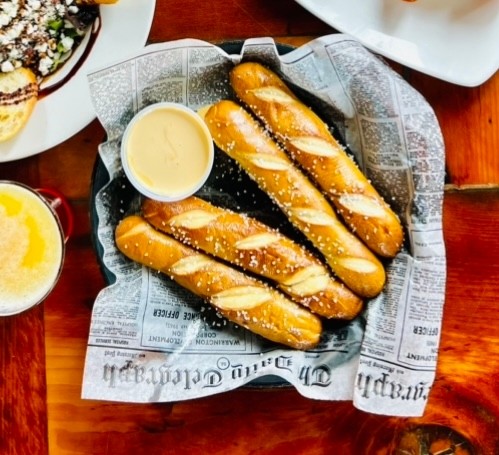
66,111
452,41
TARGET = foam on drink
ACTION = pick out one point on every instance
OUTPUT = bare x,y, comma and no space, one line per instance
31,248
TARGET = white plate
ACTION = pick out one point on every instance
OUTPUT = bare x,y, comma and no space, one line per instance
453,40
58,116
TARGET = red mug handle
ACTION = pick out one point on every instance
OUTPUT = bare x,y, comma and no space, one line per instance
61,207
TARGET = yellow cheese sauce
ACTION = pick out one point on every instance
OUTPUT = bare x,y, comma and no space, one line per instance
31,249
168,151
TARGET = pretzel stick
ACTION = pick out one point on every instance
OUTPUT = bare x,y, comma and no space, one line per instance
255,247
311,144
242,138
239,298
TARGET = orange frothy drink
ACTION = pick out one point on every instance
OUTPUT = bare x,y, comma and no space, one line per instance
31,248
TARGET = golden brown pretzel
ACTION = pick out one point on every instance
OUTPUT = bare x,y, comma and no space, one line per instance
242,138
253,246
311,144
239,298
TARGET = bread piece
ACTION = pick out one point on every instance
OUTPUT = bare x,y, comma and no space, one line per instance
311,144
255,247
239,298
18,95
240,136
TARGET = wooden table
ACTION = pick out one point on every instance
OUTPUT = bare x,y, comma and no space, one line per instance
42,351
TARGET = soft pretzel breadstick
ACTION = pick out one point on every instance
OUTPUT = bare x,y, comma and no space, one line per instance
311,144
239,298
250,244
242,138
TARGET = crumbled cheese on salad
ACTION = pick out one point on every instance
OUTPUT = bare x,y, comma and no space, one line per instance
36,34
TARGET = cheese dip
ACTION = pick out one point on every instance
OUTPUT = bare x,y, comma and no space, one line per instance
167,151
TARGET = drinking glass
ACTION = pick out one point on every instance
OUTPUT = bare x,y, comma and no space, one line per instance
35,226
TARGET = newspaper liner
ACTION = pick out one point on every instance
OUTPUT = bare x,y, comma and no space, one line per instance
151,341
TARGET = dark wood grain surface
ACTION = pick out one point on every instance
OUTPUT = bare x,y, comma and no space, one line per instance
42,351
